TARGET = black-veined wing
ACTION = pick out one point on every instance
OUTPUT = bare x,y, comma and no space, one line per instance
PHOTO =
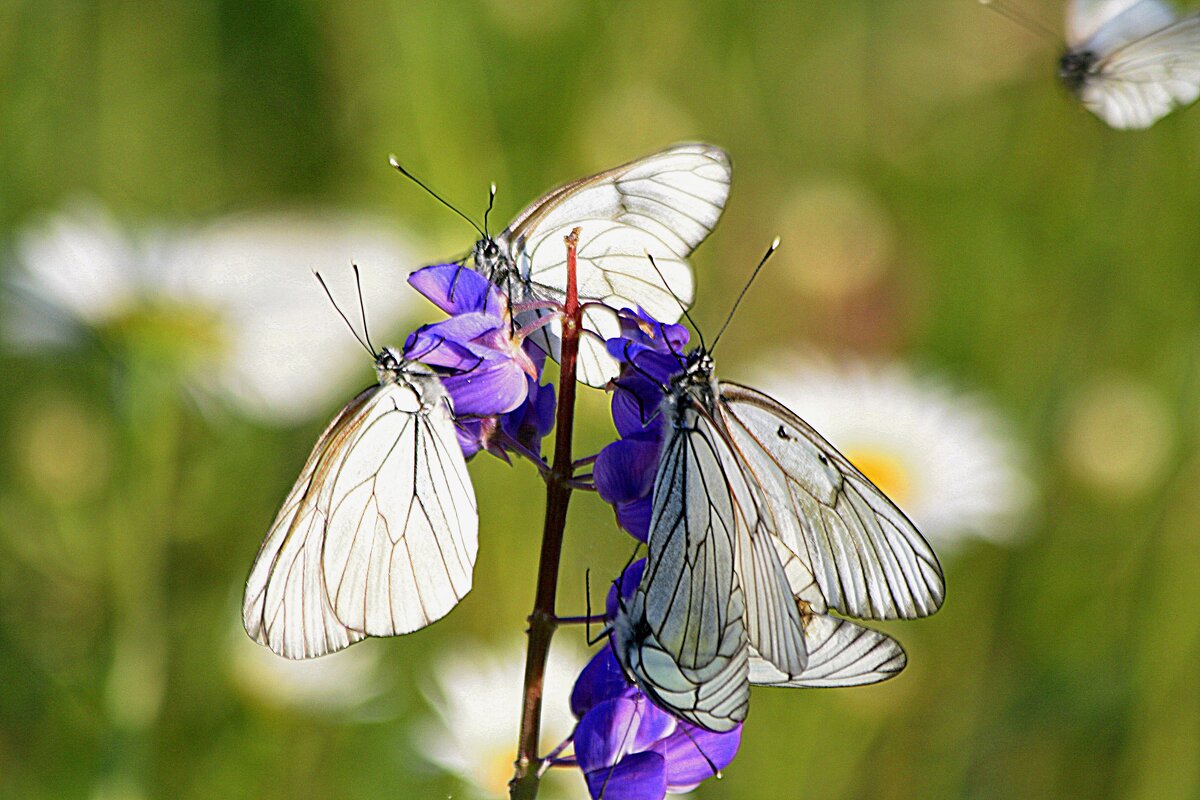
714,585
868,558
840,652
681,638
379,534
1131,61
664,204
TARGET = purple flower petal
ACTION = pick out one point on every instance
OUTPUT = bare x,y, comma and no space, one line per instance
634,517
602,679
627,583
635,404
655,726
530,422
691,753
456,289
493,387
640,776
625,469
606,732
429,344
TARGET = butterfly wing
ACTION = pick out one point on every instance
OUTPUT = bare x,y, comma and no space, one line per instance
665,205
1139,83
379,534
683,638
840,653
868,558
1102,25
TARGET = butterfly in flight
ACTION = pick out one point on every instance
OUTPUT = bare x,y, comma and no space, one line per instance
664,204
379,534
1129,62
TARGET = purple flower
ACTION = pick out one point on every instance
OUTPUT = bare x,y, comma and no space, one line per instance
483,363
489,373
627,747
650,353
624,477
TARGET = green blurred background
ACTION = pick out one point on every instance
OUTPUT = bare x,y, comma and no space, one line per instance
1030,254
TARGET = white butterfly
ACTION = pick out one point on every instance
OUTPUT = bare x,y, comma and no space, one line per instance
664,204
379,535
1130,62
754,511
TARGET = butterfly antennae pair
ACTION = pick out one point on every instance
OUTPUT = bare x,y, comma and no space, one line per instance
365,339
770,251
482,231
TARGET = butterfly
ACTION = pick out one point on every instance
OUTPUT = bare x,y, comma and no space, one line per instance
758,528
664,204
379,535
1130,62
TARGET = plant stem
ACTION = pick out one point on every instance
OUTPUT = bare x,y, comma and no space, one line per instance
542,622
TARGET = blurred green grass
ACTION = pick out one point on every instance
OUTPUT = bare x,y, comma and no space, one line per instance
1036,254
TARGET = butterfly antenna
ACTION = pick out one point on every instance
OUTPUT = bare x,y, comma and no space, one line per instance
625,738
362,308
633,365
716,772
770,252
682,308
491,202
342,314
400,168
1022,18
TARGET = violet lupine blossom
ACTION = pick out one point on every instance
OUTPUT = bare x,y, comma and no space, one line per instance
650,354
490,374
628,748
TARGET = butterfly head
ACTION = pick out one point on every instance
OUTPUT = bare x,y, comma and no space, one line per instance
1075,67
390,365
493,261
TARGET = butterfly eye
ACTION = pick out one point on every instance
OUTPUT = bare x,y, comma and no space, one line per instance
491,250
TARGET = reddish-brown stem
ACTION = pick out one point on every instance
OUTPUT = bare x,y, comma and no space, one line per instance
542,621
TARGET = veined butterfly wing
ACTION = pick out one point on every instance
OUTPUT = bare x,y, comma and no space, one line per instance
379,534
868,558
839,652
713,584
682,637
1131,62
664,204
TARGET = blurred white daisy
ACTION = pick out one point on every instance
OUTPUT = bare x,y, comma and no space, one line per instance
233,304
337,683
946,458
477,705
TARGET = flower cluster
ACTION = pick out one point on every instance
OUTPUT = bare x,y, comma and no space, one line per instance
491,374
628,748
649,352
